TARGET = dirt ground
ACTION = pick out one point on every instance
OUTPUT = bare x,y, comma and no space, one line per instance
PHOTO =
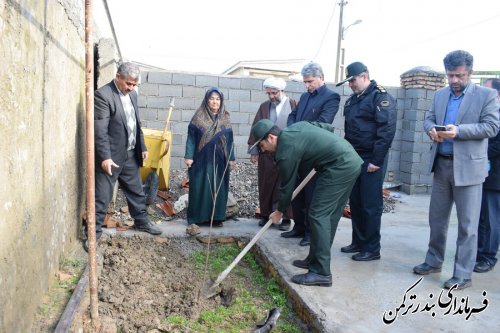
146,280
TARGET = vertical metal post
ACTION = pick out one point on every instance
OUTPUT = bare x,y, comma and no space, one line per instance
339,40
89,108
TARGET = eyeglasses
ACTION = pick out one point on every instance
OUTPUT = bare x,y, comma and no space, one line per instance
456,75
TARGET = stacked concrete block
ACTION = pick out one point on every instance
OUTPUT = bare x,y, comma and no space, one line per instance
419,85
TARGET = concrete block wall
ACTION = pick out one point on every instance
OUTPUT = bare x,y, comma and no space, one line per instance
243,96
43,154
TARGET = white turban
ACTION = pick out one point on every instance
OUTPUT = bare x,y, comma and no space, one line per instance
275,83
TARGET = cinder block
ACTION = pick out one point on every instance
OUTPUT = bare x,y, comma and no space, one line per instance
226,82
148,89
232,106
420,147
169,91
185,103
244,130
142,101
179,139
187,115
240,140
183,79
401,93
239,118
249,107
180,128
148,114
178,150
193,91
421,104
258,96
252,84
239,95
176,163
155,124
160,77
158,102
416,93
207,81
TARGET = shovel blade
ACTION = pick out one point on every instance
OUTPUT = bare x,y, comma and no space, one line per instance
208,290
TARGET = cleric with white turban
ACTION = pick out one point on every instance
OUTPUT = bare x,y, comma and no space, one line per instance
275,83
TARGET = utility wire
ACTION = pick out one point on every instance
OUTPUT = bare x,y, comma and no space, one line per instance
326,31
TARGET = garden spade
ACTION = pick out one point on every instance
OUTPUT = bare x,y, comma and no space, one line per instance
209,288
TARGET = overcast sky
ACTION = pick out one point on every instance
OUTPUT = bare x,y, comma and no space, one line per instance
393,37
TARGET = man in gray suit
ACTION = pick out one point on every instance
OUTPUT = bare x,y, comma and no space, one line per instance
120,148
461,119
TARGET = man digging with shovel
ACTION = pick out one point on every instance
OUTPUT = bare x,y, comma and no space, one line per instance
299,148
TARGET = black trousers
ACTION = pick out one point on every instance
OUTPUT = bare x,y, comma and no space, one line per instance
367,205
301,204
129,178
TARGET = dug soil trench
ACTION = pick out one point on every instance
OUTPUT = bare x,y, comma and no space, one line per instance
152,285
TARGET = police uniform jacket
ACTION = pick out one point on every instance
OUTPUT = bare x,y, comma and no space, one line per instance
370,122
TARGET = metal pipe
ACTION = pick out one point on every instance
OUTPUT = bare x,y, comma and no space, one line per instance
66,319
339,41
89,108
105,2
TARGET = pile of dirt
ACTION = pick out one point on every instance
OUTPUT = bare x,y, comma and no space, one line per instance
146,280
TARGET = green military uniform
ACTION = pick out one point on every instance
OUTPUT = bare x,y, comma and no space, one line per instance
307,145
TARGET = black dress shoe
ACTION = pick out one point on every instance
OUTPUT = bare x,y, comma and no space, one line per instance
306,241
483,267
313,279
301,263
366,256
292,234
350,249
461,283
424,269
149,228
285,224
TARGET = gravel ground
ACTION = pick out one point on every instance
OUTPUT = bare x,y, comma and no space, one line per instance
243,185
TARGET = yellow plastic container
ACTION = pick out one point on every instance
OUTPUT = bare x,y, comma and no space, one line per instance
156,141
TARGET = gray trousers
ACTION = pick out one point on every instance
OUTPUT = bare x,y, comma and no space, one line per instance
467,201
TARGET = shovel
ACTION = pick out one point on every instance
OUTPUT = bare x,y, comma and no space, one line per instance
209,288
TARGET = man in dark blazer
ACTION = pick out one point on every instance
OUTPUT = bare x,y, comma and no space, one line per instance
120,148
461,119
318,104
488,240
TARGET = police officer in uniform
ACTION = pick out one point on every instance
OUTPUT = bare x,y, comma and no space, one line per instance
370,125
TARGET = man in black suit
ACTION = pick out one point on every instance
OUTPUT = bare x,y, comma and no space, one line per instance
120,148
319,104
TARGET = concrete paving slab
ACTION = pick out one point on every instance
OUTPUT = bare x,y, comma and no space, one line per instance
363,292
